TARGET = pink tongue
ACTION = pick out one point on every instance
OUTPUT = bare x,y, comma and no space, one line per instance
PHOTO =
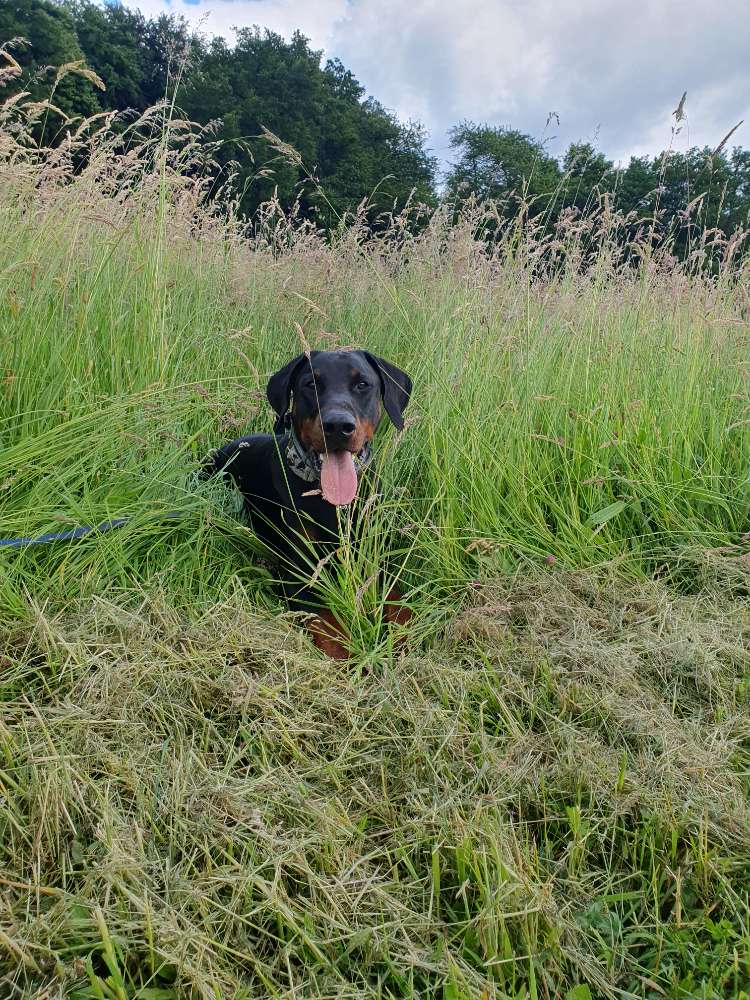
338,478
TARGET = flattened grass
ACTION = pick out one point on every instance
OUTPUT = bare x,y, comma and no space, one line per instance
555,793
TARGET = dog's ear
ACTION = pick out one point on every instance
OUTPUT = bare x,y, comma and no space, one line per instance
281,384
396,386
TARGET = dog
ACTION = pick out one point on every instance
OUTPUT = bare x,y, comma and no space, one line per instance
328,405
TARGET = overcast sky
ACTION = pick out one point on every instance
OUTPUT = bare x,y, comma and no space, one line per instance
613,71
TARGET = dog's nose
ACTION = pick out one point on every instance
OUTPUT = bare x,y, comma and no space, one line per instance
339,424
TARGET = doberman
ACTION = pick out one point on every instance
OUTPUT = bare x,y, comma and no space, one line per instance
328,405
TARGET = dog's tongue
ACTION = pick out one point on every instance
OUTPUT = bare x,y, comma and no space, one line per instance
338,477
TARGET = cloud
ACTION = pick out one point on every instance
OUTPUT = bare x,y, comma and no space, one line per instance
613,72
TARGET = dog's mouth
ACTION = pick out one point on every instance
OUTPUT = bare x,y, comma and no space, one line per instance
338,477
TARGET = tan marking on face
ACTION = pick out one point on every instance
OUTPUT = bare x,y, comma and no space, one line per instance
363,434
310,433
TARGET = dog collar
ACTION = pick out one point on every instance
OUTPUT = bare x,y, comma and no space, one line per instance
304,462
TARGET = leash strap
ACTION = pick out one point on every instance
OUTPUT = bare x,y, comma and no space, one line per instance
81,532
302,462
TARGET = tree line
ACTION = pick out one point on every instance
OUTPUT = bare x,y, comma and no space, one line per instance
355,148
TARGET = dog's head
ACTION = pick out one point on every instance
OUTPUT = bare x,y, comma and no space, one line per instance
336,400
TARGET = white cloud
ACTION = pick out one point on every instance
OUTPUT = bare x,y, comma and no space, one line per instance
612,71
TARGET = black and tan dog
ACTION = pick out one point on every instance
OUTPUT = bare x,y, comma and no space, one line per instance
328,405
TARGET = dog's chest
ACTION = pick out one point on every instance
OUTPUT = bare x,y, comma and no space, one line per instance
277,499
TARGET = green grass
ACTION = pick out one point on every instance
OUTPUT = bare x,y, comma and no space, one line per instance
546,795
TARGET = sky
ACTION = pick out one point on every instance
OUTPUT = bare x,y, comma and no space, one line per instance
612,71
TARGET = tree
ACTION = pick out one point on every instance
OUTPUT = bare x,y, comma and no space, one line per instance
352,146
498,163
365,150
51,31
586,173
637,186
138,58
738,195
111,40
690,192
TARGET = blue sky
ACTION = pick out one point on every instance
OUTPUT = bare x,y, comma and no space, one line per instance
612,71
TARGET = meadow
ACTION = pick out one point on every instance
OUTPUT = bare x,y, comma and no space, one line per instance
545,793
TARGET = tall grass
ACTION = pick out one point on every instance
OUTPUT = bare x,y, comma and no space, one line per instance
548,795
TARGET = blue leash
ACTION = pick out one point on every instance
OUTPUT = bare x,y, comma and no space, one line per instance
65,536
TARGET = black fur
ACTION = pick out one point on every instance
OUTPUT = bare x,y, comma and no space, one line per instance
285,511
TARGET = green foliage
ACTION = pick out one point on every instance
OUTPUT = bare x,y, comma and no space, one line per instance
354,145
503,164
695,197
586,173
696,193
50,30
133,54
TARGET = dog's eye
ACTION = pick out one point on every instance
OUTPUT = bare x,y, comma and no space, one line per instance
362,385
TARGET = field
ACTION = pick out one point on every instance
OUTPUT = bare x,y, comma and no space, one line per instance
546,793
